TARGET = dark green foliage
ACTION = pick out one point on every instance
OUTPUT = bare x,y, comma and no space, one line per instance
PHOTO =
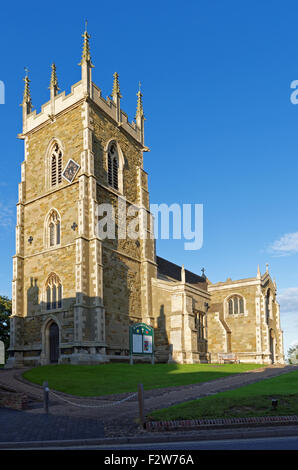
5,312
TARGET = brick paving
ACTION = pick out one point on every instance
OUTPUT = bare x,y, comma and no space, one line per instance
121,419
21,426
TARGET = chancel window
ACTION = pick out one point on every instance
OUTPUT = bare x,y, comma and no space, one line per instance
53,292
236,305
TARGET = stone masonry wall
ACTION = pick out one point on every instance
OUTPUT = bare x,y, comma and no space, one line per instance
236,332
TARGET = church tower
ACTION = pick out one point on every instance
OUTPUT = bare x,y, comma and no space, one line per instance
75,292
85,266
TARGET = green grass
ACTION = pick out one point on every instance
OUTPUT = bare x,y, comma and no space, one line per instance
105,379
248,401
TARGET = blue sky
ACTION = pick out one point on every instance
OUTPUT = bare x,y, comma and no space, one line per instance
220,124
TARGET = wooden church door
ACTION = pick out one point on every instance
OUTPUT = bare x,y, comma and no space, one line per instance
54,343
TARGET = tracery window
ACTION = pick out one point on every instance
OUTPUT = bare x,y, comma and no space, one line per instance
53,292
200,325
53,228
268,305
113,166
236,305
56,165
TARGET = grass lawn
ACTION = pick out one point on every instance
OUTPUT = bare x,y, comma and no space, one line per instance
105,379
248,401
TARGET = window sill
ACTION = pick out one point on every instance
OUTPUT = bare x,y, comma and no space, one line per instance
53,310
117,192
54,247
238,314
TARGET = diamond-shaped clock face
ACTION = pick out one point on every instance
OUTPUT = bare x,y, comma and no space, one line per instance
70,170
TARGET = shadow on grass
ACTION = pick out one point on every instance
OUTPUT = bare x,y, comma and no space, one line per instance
247,401
220,407
105,379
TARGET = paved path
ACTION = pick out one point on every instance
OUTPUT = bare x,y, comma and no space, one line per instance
20,426
121,419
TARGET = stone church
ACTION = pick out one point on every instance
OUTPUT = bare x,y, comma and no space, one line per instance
75,294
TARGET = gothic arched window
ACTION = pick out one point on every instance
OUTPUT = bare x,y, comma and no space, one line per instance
113,165
236,305
53,228
56,165
268,305
200,325
53,292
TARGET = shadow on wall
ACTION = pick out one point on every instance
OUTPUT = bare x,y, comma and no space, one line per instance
55,325
163,350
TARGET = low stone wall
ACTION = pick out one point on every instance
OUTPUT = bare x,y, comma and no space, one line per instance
12,399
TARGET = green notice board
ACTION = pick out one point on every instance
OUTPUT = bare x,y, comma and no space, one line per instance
141,339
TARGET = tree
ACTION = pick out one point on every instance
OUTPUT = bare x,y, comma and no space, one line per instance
293,354
5,312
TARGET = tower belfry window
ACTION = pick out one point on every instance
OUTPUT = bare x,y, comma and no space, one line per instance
56,165
113,166
115,173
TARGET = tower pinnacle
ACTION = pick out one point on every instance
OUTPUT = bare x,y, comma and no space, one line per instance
116,87
86,64
27,102
140,114
140,110
116,95
54,81
53,90
27,96
86,57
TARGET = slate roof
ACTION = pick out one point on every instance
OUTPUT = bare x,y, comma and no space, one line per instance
173,271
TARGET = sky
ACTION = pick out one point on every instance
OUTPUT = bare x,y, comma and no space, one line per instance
220,123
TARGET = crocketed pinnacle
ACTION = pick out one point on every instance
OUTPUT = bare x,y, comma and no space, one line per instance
54,80
140,111
116,87
86,57
27,95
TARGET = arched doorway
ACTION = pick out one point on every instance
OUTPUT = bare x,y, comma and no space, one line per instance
54,343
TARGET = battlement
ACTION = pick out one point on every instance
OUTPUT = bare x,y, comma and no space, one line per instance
82,91
61,102
109,107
